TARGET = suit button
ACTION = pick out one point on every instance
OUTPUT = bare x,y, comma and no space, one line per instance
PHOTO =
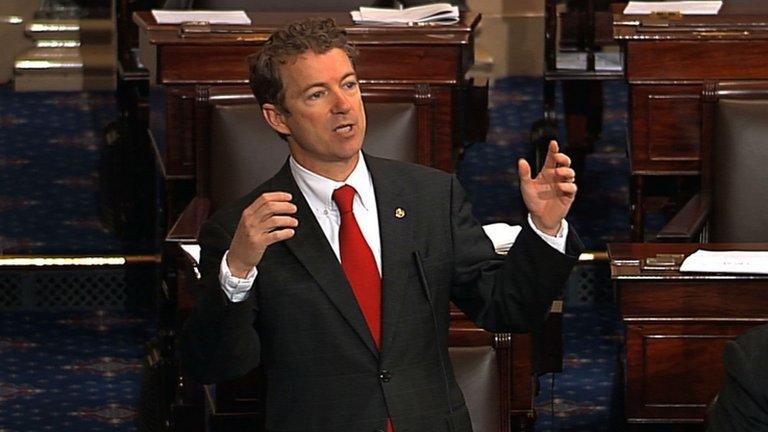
384,375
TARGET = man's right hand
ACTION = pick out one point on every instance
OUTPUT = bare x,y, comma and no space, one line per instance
263,223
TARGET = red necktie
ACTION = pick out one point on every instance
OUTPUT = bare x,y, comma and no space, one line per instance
359,265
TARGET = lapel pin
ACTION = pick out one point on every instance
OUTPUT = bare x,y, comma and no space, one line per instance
399,213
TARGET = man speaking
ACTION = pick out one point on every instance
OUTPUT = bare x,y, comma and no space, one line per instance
336,274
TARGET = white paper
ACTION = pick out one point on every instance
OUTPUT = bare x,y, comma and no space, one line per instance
502,235
684,7
705,261
572,60
609,61
212,17
442,13
193,250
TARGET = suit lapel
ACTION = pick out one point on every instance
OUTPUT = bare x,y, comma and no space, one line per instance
312,249
396,231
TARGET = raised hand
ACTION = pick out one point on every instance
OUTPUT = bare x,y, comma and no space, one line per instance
550,194
263,223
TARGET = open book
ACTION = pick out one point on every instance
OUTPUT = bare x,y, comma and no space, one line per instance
437,13
707,7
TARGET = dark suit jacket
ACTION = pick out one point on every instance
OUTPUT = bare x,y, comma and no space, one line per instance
742,404
302,322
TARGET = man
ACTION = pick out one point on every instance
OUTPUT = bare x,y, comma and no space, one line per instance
742,404
336,274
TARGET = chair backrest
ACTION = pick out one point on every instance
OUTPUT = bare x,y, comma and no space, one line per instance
736,166
237,150
476,369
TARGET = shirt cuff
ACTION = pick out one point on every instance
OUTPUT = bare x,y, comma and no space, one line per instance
557,241
237,289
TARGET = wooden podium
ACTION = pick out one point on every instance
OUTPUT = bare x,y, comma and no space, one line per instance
669,60
434,56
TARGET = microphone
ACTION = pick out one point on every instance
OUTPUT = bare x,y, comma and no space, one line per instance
428,294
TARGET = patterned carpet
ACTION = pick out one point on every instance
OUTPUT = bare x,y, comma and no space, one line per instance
50,150
81,371
71,372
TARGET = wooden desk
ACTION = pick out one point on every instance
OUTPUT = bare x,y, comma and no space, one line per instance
668,61
676,328
436,56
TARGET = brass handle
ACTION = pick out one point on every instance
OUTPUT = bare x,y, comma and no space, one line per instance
721,34
11,19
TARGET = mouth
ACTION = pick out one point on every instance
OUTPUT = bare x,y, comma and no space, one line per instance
344,128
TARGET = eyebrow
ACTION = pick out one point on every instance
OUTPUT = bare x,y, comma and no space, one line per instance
322,84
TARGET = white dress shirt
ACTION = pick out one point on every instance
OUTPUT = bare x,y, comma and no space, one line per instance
317,190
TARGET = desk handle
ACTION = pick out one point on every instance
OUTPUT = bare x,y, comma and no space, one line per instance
721,34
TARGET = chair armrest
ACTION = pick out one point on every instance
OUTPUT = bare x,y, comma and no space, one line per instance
189,222
688,222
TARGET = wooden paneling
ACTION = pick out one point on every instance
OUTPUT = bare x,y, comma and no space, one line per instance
666,133
674,370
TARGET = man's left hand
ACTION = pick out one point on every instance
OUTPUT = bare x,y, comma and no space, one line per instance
550,194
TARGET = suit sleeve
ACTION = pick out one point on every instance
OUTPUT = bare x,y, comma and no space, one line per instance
742,403
218,341
505,294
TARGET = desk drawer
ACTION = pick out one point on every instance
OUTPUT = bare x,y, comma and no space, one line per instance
712,300
697,60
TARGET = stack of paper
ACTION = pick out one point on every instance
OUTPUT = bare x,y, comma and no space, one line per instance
683,7
502,236
436,13
704,261
211,17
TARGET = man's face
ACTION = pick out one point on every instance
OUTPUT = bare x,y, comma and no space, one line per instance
325,118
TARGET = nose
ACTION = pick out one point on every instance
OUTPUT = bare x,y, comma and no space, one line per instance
342,103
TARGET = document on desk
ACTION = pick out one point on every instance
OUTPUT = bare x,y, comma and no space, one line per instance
236,17
707,7
434,13
704,261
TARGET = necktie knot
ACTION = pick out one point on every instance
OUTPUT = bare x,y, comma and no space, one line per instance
343,198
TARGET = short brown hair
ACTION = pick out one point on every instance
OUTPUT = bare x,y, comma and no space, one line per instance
319,35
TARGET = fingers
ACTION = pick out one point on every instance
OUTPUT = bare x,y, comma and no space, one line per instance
565,174
266,221
568,189
523,170
554,158
269,198
552,151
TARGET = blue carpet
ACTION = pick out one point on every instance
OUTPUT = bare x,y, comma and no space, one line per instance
49,157
71,372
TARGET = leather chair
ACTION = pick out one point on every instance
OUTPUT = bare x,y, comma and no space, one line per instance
733,198
236,151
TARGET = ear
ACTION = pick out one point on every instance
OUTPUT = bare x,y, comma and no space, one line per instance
275,118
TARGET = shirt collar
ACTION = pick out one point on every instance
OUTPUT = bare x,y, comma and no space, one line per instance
318,190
